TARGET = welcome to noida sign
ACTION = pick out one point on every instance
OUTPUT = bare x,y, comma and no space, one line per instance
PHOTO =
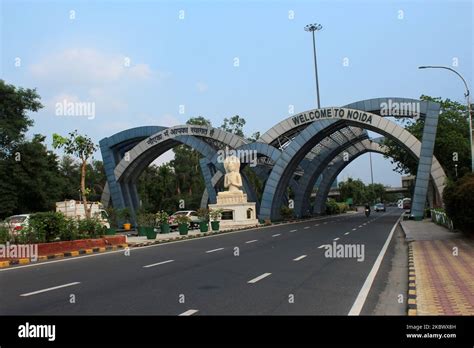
332,113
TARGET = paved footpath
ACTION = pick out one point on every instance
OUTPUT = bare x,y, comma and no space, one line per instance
442,274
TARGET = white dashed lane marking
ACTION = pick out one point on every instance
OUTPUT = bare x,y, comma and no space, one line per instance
49,289
299,258
213,250
158,263
276,235
188,312
260,277
293,230
251,241
336,239
346,233
306,227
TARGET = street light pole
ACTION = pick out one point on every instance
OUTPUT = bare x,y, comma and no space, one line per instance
467,95
312,28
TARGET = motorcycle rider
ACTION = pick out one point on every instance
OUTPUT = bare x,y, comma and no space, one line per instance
367,209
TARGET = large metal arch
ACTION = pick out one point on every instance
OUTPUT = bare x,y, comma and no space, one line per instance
145,144
286,128
113,149
369,145
336,118
312,172
178,133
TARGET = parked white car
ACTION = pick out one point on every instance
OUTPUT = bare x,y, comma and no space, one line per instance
16,223
191,214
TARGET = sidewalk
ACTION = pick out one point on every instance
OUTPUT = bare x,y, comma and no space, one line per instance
441,270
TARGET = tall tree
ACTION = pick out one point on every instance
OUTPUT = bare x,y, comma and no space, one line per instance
234,125
82,147
15,103
451,144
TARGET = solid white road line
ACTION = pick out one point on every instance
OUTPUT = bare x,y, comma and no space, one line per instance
159,263
336,238
293,230
260,277
188,312
346,233
251,241
49,289
276,235
211,251
300,258
306,227
364,292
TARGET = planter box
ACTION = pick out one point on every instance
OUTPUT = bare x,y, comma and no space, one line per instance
164,228
203,227
183,229
215,225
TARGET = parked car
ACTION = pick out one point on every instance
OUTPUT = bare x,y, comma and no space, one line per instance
192,214
380,207
16,223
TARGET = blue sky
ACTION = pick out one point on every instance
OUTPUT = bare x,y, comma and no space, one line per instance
189,61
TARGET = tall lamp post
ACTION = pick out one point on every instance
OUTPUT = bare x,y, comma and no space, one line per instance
466,94
312,28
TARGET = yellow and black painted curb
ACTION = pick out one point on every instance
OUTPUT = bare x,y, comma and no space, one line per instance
411,282
80,252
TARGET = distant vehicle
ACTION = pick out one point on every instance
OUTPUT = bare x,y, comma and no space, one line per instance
16,223
75,209
191,214
406,204
380,207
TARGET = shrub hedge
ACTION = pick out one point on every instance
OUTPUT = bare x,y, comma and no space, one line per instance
458,198
54,226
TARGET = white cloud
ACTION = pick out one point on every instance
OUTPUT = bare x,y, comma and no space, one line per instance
88,66
202,87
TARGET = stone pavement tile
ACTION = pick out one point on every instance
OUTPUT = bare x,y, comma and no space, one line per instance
444,276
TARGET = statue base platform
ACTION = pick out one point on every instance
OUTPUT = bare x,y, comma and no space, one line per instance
236,215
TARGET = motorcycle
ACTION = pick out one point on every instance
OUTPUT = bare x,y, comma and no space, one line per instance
367,212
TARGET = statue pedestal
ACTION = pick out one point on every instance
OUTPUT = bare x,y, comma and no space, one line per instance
236,211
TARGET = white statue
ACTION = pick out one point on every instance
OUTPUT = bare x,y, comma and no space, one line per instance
232,179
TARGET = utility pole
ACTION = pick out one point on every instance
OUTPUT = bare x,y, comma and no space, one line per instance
312,28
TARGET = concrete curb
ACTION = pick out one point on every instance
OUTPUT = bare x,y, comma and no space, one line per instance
4,264
412,308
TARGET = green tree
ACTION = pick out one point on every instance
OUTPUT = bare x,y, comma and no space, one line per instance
234,125
458,198
452,140
354,189
82,147
15,103
31,180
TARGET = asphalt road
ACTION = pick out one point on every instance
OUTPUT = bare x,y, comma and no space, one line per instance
278,270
